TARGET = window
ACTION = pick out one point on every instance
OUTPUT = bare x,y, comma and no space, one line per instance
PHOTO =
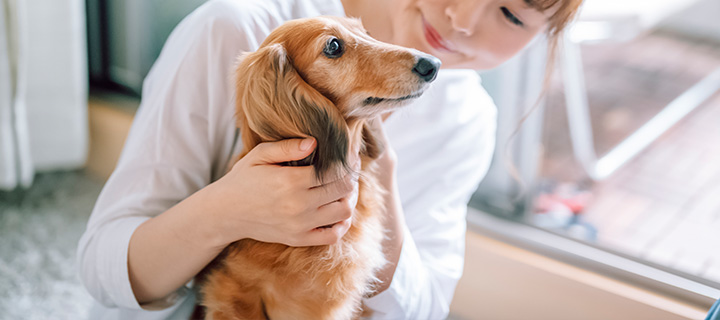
648,210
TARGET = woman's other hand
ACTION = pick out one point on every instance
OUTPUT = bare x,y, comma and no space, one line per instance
394,216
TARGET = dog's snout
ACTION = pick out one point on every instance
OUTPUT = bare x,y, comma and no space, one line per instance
426,68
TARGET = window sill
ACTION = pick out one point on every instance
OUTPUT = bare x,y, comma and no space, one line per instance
531,264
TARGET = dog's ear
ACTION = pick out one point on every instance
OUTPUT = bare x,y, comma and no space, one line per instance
373,142
274,102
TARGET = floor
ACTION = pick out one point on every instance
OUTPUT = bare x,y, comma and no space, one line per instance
40,227
664,206
39,231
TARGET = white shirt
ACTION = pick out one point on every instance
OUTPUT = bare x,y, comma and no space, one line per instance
182,139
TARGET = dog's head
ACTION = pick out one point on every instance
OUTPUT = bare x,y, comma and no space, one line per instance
325,77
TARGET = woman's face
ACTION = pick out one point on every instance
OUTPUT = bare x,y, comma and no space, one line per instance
476,34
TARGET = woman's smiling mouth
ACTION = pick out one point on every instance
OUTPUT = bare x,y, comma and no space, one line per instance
435,39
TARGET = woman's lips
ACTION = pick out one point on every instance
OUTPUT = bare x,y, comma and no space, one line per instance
434,39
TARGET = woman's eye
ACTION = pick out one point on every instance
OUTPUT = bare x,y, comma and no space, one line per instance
333,48
511,17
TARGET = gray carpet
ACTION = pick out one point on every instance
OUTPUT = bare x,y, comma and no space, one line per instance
39,231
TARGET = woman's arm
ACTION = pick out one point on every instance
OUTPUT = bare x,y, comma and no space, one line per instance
437,169
394,218
394,221
165,252
160,217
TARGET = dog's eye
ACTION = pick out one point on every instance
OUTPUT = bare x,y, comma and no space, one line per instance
333,48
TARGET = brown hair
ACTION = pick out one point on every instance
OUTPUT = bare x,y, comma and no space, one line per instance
566,10
564,14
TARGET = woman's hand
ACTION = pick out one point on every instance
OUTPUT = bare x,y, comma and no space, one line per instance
262,200
394,215
387,161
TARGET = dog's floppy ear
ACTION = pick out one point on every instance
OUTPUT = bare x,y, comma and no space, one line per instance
275,103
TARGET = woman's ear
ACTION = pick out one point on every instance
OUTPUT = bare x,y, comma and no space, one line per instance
275,103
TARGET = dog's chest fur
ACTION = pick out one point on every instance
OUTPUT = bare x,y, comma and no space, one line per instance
322,282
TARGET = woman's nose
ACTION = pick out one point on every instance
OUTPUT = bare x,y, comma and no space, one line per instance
464,16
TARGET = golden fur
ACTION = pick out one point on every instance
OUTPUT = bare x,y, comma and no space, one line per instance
290,89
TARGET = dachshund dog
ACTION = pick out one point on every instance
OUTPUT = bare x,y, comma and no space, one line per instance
323,77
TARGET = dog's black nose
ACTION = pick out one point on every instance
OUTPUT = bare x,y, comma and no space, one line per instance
427,67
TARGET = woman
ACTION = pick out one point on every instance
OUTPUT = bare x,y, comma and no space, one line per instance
169,208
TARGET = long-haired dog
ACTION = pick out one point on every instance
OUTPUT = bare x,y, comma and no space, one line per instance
322,77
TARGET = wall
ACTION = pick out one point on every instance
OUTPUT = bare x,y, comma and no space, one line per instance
136,33
699,21
57,83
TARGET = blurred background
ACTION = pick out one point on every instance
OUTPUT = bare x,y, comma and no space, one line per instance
615,201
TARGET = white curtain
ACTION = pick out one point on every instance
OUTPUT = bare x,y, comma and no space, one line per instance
43,89
16,165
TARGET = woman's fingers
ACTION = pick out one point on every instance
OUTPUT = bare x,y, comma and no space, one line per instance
282,151
334,190
330,213
324,236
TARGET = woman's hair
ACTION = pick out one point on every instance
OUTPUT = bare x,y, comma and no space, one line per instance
566,11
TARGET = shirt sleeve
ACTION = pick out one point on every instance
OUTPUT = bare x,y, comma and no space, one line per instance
179,142
443,167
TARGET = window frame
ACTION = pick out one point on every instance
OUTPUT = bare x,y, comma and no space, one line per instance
500,206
